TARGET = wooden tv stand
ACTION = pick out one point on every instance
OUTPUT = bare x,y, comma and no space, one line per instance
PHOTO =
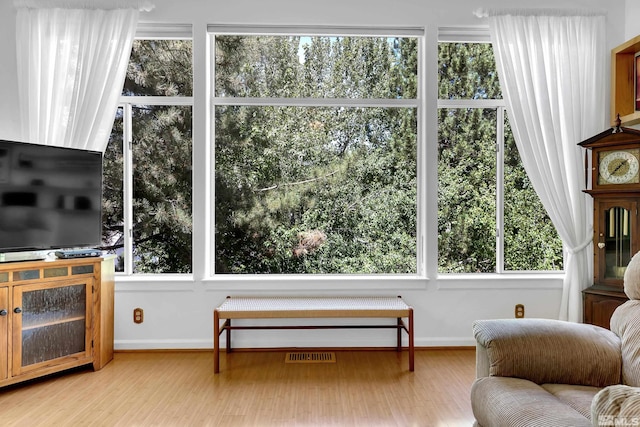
55,316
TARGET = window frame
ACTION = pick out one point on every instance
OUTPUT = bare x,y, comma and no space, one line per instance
366,281
150,31
500,107
481,35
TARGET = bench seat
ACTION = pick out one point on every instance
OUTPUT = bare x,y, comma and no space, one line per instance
311,308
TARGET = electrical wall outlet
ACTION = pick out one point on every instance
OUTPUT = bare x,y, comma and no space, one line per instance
138,315
519,312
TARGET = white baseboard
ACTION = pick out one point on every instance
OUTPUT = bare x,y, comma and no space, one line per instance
195,344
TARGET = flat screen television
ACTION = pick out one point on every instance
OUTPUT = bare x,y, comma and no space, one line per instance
50,197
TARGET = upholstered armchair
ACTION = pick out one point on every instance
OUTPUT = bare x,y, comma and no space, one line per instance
543,372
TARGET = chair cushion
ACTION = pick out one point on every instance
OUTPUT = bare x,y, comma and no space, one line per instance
625,323
579,397
514,402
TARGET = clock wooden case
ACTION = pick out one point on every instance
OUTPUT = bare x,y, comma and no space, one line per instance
613,171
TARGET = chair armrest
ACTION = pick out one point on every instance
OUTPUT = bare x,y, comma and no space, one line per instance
616,405
482,361
550,351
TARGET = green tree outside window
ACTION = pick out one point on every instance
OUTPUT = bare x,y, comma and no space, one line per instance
468,154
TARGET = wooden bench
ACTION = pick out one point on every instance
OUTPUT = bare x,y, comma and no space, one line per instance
311,308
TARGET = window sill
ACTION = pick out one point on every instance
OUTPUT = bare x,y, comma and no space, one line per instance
534,281
315,283
264,283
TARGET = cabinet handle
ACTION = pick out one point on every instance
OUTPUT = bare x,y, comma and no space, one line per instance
17,310
3,312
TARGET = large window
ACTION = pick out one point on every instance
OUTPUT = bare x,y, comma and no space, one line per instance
147,165
317,142
489,217
315,153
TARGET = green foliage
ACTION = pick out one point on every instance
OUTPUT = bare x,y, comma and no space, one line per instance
467,190
160,68
467,171
162,159
113,191
467,71
531,240
315,189
321,189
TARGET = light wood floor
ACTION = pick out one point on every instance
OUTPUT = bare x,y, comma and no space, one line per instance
363,388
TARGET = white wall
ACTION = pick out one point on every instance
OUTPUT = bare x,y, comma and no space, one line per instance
178,313
631,20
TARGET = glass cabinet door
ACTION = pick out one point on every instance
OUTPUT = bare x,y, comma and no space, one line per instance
51,322
615,243
617,237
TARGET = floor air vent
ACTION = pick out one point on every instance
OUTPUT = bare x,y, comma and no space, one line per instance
310,357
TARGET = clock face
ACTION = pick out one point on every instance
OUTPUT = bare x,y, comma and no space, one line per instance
619,167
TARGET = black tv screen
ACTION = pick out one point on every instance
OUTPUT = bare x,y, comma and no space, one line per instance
50,197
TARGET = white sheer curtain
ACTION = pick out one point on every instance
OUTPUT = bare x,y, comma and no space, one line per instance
551,70
72,58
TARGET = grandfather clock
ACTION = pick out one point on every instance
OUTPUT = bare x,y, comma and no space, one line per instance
615,188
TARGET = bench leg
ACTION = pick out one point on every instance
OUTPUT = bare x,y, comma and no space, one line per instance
399,335
411,346
216,342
